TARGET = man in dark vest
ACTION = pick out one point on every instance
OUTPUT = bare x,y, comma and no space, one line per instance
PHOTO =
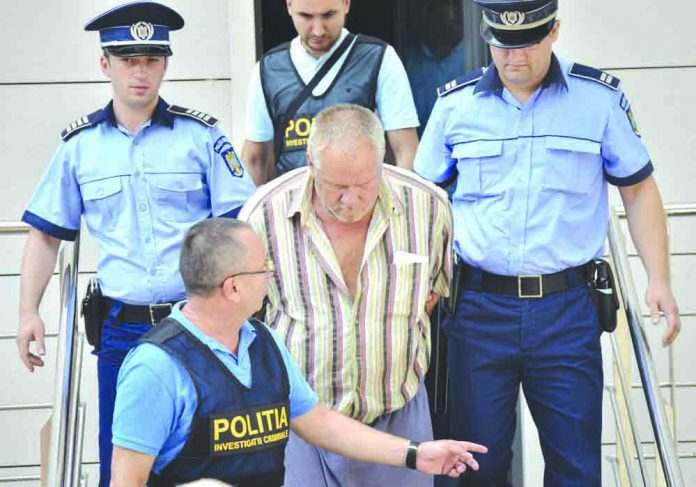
366,72
208,393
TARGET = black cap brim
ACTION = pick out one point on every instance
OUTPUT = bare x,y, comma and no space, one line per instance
515,39
139,50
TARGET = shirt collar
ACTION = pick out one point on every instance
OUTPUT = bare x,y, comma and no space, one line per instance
555,75
491,81
388,200
160,116
247,332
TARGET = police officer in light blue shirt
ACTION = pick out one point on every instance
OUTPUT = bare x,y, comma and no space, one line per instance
141,172
533,142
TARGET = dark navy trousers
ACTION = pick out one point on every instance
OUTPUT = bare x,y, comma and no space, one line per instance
551,347
116,340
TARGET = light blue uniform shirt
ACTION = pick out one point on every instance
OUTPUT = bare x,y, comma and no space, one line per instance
139,193
156,399
531,193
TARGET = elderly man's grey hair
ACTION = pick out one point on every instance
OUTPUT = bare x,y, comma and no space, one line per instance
341,125
210,252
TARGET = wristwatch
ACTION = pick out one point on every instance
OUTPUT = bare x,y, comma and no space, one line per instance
411,454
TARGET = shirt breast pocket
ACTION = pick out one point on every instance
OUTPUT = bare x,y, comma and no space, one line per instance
572,165
181,197
103,201
411,281
480,168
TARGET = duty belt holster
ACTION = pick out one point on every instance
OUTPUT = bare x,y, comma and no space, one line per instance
603,293
93,312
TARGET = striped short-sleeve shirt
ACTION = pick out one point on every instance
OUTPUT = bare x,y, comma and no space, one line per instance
366,355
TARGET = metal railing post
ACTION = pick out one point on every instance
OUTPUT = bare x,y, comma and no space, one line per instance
67,377
658,416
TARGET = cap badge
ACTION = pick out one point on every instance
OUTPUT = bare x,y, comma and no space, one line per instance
142,31
512,18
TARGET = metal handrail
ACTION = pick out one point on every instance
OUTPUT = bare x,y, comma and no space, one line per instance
623,443
79,437
626,392
64,418
14,227
656,408
672,209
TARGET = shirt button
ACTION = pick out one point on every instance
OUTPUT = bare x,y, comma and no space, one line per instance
141,207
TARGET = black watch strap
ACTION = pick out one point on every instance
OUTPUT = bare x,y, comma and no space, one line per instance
411,454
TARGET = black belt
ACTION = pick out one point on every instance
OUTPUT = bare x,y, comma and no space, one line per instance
527,286
136,313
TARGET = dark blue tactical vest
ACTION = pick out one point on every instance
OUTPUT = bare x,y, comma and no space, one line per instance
356,83
238,435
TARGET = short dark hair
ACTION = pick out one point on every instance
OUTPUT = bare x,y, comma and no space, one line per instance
210,252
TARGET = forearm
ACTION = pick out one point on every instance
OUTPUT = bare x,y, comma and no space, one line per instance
38,263
335,432
126,478
130,468
647,225
404,143
258,159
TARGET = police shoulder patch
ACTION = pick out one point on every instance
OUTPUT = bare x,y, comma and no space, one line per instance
594,74
202,117
461,82
223,147
79,124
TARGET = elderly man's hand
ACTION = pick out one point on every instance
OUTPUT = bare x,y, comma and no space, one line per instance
447,457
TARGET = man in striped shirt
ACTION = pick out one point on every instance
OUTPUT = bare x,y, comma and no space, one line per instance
362,255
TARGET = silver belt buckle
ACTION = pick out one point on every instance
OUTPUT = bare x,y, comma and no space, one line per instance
540,281
154,307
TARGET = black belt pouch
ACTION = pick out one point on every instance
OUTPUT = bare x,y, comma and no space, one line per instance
603,292
92,311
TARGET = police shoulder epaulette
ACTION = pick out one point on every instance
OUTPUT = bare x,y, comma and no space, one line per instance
460,82
202,117
594,74
79,124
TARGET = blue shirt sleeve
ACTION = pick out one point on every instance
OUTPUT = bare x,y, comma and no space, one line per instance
56,206
434,158
626,159
302,398
229,181
151,380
